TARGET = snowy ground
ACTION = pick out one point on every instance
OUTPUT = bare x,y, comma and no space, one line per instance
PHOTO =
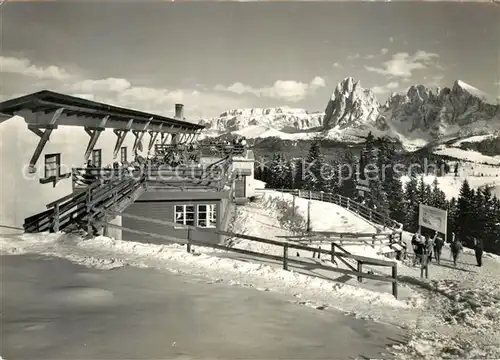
456,313
467,155
451,184
53,309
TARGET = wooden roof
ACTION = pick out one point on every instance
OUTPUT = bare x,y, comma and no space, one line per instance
49,101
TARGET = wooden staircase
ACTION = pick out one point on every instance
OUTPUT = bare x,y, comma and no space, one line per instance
86,206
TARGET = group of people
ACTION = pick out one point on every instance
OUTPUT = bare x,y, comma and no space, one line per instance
432,247
429,248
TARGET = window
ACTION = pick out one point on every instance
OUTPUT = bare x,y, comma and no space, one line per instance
123,155
184,214
96,158
207,216
52,165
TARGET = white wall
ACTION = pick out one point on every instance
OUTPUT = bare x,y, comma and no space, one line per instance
246,163
21,194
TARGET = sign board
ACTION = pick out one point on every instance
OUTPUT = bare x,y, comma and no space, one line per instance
433,218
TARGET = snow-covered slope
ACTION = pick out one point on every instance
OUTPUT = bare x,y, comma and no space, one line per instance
467,155
451,184
416,118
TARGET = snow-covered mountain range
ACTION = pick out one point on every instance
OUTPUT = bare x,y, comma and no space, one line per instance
417,118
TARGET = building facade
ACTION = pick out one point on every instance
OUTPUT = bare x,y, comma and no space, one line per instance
208,211
36,172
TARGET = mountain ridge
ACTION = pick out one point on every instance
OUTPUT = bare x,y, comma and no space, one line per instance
415,118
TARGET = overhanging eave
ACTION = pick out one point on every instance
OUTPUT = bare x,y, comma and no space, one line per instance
89,120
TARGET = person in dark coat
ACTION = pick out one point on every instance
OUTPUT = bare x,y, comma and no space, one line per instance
418,248
429,247
478,250
455,247
438,247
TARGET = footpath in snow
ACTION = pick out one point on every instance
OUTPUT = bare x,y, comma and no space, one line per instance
453,314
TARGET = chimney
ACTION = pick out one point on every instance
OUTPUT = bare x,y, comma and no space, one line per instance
179,113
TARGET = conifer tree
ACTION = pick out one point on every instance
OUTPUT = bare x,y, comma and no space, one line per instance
288,171
347,171
277,174
299,178
466,216
392,185
438,197
376,197
315,164
411,201
333,183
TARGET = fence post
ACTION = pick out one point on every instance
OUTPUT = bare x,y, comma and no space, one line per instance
56,217
188,245
321,195
348,203
360,270
309,194
395,283
340,200
293,203
332,252
285,256
88,199
371,215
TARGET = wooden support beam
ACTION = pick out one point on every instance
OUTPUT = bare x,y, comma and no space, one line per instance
44,138
139,134
164,138
153,135
121,134
94,134
182,138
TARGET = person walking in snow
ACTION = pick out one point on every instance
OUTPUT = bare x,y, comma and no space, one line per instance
478,250
456,247
438,247
418,248
429,246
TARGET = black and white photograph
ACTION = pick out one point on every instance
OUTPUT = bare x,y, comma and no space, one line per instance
231,180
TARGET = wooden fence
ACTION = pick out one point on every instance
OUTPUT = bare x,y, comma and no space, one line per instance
335,252
369,239
360,209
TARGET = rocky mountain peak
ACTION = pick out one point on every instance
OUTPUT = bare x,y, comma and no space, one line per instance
462,89
350,106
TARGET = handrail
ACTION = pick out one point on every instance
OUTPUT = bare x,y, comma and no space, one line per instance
346,202
73,207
